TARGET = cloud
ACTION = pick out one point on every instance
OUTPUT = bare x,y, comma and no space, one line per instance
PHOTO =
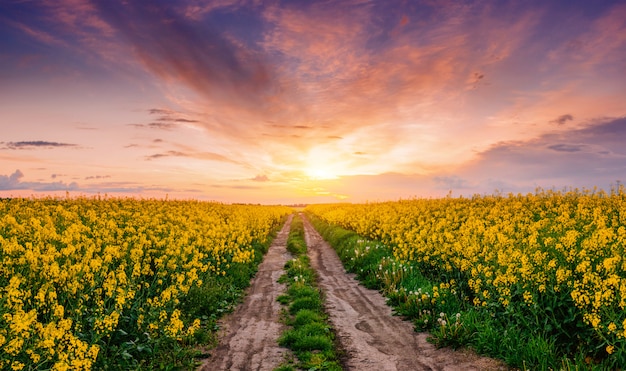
566,147
36,144
168,115
196,10
561,120
597,158
161,111
161,125
260,178
451,182
167,119
14,182
166,154
475,79
404,20
10,180
62,27
367,73
130,188
243,187
608,131
199,55
186,120
208,156
37,34
597,46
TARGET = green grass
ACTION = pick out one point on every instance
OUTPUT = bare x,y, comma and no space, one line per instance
295,242
309,335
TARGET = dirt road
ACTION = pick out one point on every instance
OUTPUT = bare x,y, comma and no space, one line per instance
372,338
248,337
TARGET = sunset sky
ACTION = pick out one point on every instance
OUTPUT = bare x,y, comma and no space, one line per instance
310,101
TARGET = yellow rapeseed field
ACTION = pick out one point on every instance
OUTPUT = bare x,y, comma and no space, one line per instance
538,251
72,272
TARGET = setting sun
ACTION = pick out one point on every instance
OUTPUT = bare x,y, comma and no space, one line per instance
323,162
320,173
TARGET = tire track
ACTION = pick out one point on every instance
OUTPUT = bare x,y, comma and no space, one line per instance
372,337
248,337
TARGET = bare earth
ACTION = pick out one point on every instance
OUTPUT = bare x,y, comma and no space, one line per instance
248,337
371,337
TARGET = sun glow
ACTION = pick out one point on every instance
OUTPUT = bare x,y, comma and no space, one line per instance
320,173
322,163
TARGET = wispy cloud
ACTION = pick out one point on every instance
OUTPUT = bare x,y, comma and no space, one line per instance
157,125
196,10
189,121
35,144
130,188
39,35
598,45
208,156
562,147
166,120
261,178
452,182
196,55
97,177
235,186
161,111
168,115
561,120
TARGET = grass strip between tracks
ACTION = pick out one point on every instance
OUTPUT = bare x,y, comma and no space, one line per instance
309,335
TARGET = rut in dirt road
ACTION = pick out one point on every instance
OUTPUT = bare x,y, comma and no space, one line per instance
371,336
248,339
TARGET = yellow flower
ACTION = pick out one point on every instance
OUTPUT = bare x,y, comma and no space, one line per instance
14,346
610,349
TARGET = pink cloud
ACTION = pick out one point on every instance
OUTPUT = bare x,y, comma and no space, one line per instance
602,44
39,35
80,16
404,20
196,10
